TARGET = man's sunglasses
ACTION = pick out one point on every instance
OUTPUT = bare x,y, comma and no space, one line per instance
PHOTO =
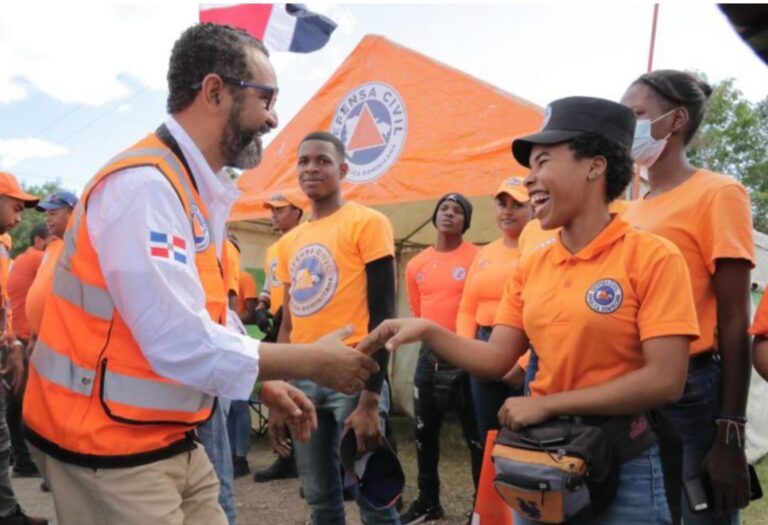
269,93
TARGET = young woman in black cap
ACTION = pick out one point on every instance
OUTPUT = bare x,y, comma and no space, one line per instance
707,215
608,308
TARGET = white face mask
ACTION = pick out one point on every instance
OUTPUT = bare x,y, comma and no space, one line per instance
645,149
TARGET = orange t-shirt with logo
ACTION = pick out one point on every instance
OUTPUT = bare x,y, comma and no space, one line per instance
586,314
42,285
485,282
248,290
272,285
435,282
760,322
20,279
708,217
324,262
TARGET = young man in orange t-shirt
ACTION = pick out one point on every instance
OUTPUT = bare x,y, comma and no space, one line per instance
22,274
435,280
338,269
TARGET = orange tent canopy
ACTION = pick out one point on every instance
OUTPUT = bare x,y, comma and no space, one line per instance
414,130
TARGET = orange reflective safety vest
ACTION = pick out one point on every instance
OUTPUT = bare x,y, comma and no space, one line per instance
92,397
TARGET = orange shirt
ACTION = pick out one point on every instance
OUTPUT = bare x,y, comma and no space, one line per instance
324,262
760,322
435,282
487,276
232,273
42,285
708,217
272,285
586,314
248,290
20,279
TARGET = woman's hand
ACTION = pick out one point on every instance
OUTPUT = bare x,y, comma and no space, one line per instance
520,412
394,332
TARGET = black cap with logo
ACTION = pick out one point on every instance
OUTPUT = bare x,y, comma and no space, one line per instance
567,118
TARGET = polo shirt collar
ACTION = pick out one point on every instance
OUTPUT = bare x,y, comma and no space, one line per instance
615,230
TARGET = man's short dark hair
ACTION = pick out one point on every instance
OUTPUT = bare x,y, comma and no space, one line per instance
328,137
41,230
618,171
203,49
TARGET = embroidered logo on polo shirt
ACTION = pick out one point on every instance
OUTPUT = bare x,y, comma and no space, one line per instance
273,280
459,273
605,296
314,279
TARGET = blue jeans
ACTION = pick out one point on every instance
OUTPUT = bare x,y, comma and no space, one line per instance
213,435
318,459
640,497
239,427
488,396
694,419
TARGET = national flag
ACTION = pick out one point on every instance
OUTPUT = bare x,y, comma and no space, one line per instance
282,27
164,246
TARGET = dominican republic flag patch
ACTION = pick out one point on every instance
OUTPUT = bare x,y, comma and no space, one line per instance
164,246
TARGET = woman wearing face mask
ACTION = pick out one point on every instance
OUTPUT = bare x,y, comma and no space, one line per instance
482,293
708,217
608,308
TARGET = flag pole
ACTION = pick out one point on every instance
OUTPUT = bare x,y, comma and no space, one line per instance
652,48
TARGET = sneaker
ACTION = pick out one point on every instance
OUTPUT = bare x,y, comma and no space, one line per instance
420,512
282,468
240,466
19,518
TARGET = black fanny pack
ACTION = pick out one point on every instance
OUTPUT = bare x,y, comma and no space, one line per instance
566,466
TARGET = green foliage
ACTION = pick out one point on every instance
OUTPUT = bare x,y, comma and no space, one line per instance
30,217
733,139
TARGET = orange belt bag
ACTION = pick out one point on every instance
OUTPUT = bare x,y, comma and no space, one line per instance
552,472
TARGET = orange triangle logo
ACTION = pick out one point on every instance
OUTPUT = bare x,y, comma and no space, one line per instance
366,134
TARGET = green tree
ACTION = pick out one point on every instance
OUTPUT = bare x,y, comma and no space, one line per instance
733,139
30,217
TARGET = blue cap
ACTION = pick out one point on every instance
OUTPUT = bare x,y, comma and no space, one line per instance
58,199
379,475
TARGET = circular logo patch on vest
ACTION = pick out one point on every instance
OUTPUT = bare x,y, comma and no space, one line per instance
372,123
605,296
200,230
314,279
459,273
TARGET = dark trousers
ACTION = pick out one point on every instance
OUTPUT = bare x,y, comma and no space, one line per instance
430,405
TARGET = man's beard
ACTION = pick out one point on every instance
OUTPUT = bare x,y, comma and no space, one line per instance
240,148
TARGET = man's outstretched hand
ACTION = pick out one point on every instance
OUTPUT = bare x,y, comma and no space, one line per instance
340,367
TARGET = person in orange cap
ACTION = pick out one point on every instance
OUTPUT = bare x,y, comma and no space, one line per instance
13,200
489,272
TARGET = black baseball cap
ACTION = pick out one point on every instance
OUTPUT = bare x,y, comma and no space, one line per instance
378,474
567,118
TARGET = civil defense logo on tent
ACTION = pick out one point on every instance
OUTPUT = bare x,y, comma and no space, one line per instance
372,122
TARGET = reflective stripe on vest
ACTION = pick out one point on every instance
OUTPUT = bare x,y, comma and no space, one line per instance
141,393
59,369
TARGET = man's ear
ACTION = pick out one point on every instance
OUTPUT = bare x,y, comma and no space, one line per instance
343,169
211,90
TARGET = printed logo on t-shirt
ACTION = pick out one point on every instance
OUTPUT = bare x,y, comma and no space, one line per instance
459,273
605,296
482,265
314,279
200,229
419,277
